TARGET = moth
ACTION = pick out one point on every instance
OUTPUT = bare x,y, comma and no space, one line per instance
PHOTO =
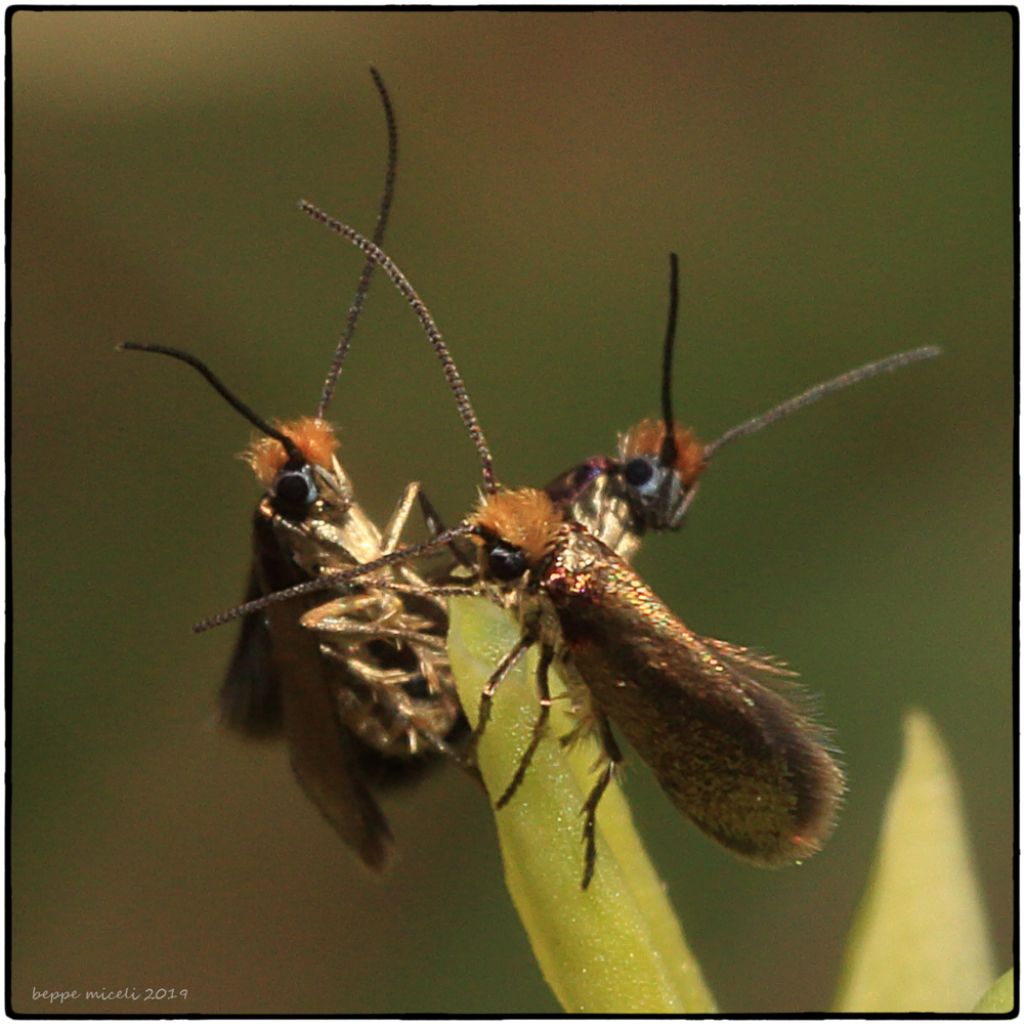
652,481
358,684
723,728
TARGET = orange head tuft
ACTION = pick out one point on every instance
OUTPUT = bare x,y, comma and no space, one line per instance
645,439
526,519
313,437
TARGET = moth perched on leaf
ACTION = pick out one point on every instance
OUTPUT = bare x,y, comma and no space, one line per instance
654,478
359,684
727,739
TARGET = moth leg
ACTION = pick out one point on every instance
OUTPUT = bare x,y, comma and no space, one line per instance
431,517
336,617
373,631
547,654
336,620
522,645
395,527
584,712
393,622
367,671
401,725
435,525
340,608
396,524
612,756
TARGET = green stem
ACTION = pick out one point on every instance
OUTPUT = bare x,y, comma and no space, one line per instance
616,947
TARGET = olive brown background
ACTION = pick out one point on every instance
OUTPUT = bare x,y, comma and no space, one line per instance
838,185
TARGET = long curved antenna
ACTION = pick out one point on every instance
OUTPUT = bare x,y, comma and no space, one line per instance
669,451
363,286
329,580
451,372
844,380
233,400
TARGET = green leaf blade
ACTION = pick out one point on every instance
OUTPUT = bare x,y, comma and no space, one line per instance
1000,997
920,940
617,947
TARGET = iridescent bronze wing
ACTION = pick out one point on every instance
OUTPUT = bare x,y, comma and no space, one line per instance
747,764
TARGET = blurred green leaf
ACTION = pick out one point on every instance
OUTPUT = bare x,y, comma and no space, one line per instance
999,998
920,941
617,947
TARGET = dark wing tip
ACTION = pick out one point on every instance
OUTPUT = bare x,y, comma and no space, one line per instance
377,849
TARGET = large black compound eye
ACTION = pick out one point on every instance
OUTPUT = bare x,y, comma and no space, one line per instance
643,475
505,562
294,492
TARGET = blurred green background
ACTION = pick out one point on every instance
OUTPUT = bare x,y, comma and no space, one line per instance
838,187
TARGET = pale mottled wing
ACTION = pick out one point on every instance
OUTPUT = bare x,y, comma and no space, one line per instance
747,765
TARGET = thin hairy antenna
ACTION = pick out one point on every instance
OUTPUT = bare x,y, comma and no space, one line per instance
236,403
363,286
667,456
329,580
844,380
452,375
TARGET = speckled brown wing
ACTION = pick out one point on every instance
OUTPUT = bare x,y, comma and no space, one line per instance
746,764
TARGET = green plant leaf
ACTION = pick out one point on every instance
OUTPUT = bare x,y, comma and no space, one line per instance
999,998
920,941
617,947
